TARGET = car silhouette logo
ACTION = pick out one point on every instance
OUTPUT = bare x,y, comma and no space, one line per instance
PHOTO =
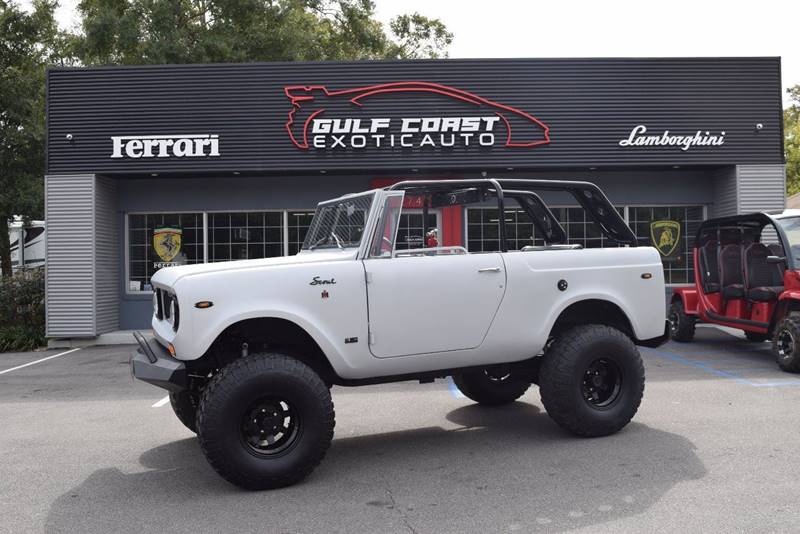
522,130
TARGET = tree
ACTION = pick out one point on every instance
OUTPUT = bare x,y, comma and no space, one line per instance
209,31
28,43
791,141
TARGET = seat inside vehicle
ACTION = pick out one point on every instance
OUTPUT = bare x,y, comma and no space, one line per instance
764,279
731,278
710,267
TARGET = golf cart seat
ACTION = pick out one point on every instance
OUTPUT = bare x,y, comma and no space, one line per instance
730,263
709,266
764,280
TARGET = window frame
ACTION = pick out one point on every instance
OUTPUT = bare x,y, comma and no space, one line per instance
204,214
626,216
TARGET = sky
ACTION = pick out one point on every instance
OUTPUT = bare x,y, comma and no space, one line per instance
610,28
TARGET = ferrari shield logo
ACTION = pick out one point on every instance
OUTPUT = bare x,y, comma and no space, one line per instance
665,236
167,242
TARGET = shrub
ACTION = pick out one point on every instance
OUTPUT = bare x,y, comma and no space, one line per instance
22,311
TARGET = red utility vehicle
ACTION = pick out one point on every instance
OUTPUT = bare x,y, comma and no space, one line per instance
747,276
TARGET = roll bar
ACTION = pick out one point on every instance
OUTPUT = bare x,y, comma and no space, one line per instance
588,196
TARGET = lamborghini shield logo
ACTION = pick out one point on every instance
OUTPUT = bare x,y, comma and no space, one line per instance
167,242
665,236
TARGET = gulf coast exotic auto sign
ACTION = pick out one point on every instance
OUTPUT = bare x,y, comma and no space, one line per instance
432,115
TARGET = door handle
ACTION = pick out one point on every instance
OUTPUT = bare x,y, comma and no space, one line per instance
489,270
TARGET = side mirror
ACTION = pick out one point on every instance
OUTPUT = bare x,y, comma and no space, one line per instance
776,259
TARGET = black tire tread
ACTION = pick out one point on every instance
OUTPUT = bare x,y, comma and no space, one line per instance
756,337
474,387
686,324
791,321
556,385
184,404
227,379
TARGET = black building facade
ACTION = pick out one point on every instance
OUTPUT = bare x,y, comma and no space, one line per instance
230,160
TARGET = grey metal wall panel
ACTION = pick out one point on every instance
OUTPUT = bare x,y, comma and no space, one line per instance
107,244
589,105
725,192
70,251
761,187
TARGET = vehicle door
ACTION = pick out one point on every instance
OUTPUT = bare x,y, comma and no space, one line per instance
427,300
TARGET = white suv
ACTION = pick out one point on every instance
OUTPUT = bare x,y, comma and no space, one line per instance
250,349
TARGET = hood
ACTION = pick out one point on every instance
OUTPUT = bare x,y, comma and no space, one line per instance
169,276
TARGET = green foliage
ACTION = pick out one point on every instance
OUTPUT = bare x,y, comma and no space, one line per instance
791,141
28,43
22,311
210,31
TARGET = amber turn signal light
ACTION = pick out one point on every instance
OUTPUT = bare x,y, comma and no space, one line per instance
171,349
203,304
647,276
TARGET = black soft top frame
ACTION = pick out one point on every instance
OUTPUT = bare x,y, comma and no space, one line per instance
588,196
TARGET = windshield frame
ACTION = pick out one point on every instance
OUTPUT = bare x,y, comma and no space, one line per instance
791,261
334,241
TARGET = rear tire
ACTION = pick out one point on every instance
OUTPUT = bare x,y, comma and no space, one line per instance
490,388
681,325
592,380
785,344
755,337
265,421
184,404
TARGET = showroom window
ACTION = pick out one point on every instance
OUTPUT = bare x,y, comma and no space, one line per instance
298,223
157,240
672,226
482,231
410,231
245,235
670,229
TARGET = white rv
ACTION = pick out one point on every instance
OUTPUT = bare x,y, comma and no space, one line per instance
27,244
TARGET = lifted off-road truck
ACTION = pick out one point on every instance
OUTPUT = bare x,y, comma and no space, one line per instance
250,349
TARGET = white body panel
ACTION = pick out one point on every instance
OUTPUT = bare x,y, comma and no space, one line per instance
432,304
425,312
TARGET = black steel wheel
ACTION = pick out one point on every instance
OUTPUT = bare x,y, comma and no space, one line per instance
592,380
681,325
601,383
265,421
491,387
784,343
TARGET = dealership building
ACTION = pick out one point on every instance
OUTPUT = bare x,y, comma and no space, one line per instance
151,166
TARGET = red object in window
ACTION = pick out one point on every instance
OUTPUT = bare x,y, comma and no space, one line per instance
452,216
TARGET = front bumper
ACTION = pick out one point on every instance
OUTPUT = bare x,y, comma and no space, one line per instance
655,341
152,363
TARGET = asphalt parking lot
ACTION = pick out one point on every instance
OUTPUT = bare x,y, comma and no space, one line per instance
713,448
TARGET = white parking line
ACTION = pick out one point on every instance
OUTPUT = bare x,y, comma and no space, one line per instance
161,403
38,361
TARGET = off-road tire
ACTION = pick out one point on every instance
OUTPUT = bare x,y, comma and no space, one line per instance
755,337
230,395
786,343
484,388
563,378
184,404
681,325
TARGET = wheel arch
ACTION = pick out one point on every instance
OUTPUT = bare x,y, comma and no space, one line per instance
593,311
265,334
688,297
784,307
